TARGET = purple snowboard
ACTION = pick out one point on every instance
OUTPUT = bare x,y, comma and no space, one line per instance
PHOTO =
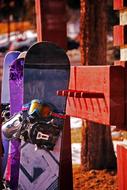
16,101
5,98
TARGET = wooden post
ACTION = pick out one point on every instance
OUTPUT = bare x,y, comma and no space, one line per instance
51,21
93,52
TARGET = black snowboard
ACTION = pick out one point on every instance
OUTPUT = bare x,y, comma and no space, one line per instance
47,69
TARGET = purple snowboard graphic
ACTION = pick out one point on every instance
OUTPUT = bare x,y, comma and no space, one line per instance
16,101
5,98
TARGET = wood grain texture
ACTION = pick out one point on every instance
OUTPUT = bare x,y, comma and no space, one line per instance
51,21
99,79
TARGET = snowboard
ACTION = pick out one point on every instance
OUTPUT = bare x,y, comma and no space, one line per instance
46,70
5,99
16,102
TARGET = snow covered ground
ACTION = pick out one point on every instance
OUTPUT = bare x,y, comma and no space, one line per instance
76,147
115,143
76,152
76,122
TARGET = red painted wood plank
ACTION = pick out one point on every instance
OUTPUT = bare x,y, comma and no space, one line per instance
51,21
119,4
105,80
122,167
120,35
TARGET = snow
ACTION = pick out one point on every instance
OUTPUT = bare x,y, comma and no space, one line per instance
73,29
76,122
76,147
115,143
76,152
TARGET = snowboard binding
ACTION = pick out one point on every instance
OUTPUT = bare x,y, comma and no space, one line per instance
35,124
5,108
4,185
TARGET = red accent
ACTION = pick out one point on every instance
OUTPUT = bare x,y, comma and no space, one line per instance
58,115
120,4
120,35
8,169
24,109
122,167
98,97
